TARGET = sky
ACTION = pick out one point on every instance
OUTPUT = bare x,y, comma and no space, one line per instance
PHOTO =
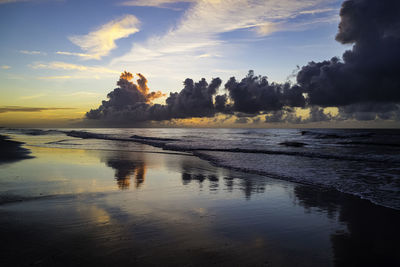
60,58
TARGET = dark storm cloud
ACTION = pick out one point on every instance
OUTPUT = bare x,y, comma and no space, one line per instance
26,109
364,84
316,114
370,71
132,102
221,103
276,116
254,94
194,100
129,101
370,111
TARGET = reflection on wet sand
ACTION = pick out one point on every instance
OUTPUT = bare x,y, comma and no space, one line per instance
126,169
248,184
132,167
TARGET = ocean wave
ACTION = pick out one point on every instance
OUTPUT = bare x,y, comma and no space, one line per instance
63,142
293,144
89,135
153,138
324,135
369,143
292,153
168,145
33,131
370,184
254,132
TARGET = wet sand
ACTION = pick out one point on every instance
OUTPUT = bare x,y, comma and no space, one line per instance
72,207
11,151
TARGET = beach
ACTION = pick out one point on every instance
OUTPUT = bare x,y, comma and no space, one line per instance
200,133
154,207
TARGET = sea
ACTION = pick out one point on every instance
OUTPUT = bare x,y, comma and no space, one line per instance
360,162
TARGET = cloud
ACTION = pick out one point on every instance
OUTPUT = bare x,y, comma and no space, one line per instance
155,3
254,94
370,111
290,115
27,52
267,28
316,11
242,120
100,42
5,67
31,96
363,85
5,109
83,55
198,32
57,65
369,72
58,77
130,102
177,54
